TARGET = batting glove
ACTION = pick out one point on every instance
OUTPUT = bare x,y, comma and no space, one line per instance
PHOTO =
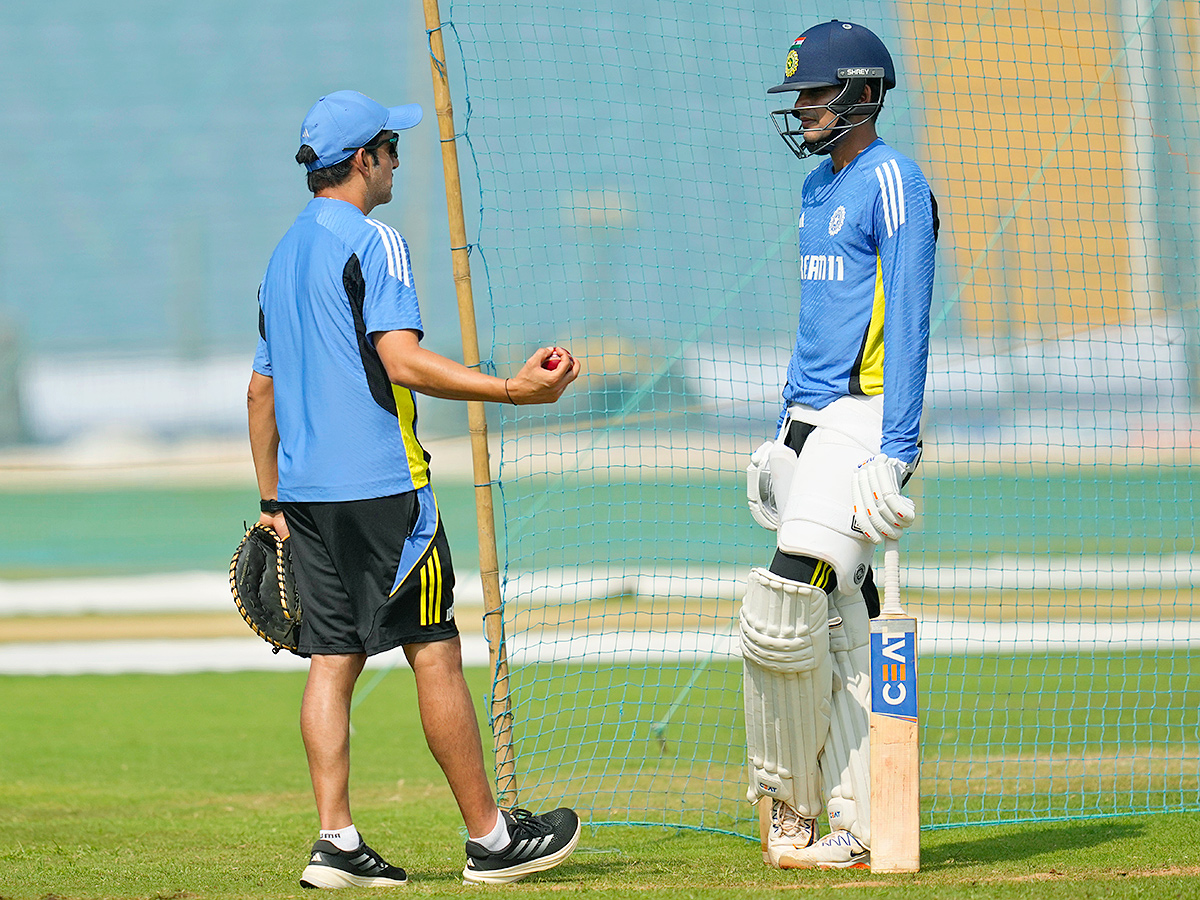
880,510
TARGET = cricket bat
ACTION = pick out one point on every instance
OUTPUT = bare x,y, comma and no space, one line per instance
895,763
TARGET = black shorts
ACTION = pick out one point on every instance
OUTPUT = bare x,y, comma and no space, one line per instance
372,574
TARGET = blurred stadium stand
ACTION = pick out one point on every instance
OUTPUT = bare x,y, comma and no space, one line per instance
150,154
150,157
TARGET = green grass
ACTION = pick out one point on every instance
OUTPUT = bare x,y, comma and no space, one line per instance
195,787
595,518
1059,509
1004,737
129,531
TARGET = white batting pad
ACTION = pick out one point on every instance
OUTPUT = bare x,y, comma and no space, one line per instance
788,681
846,760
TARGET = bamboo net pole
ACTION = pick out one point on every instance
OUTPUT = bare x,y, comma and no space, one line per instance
489,568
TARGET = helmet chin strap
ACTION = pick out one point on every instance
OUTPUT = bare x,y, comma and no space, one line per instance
825,147
840,127
802,147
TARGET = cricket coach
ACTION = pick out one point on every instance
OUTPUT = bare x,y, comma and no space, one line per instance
333,432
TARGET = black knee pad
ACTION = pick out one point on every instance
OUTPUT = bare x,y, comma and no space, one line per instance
805,570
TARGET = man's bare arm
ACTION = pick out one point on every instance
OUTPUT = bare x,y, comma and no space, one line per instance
410,365
264,444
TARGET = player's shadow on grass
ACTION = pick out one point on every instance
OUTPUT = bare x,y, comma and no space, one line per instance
1005,842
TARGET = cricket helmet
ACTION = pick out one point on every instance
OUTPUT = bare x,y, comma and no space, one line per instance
830,54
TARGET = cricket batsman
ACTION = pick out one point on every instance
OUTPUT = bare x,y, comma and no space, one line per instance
830,483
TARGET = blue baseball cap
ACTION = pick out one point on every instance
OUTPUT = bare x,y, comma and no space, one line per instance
341,122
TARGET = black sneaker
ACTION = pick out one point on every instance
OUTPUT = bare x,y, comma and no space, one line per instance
537,843
330,867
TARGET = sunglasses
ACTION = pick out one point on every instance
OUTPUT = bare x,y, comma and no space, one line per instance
390,143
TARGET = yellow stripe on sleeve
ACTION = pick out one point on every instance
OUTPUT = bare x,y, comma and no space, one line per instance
406,414
870,374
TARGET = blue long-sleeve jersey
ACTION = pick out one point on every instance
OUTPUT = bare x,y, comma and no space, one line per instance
867,238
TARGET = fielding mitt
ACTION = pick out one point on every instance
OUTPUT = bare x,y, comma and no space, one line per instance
264,590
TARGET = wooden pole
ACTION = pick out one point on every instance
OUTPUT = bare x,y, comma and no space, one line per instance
489,567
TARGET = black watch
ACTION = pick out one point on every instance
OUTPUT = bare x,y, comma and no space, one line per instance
270,507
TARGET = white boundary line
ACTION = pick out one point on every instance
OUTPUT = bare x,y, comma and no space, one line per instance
938,638
208,591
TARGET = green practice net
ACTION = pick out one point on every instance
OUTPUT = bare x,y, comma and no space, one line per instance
636,207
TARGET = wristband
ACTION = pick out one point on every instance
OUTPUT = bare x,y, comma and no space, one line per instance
270,507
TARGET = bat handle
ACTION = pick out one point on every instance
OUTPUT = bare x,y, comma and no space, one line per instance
891,578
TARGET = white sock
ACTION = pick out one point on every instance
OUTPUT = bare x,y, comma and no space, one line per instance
497,837
344,838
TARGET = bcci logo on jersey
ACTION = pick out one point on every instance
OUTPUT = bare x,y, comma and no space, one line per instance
894,671
837,220
816,267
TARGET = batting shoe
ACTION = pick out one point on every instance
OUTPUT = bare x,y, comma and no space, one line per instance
537,843
837,850
329,867
786,834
